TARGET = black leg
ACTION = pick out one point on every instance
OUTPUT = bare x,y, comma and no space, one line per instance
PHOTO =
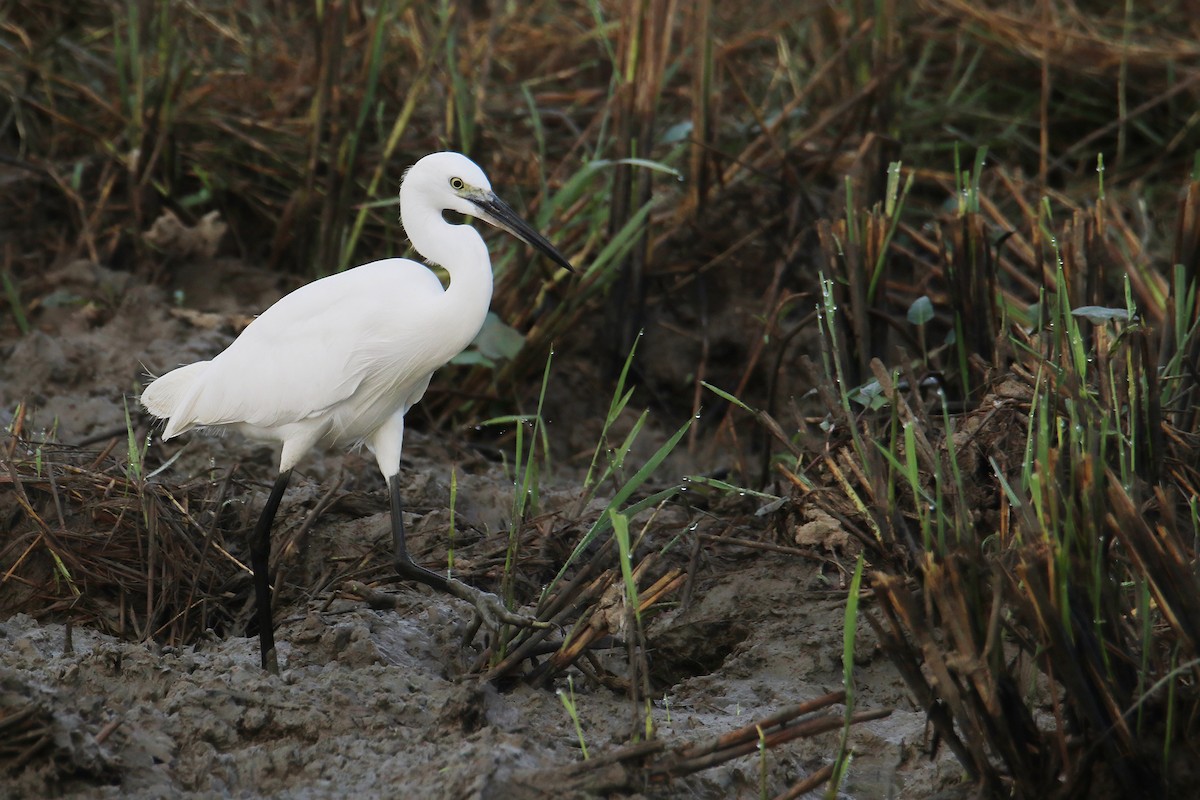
403,561
260,554
490,608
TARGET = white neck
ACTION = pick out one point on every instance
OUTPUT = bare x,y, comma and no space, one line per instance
461,251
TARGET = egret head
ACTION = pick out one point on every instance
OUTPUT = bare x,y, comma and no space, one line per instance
454,182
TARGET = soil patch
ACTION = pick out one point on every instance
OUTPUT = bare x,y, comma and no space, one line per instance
378,702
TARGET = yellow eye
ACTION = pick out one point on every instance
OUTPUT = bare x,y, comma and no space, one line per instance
457,184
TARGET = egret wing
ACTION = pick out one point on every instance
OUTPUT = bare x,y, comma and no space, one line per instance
317,348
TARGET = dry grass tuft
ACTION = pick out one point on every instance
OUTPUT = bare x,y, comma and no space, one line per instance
91,543
1027,487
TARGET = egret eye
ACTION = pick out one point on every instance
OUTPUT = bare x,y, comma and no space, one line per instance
457,184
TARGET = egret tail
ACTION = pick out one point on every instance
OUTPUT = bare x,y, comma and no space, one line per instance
165,396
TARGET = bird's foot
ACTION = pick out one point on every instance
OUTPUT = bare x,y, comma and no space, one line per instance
491,609
270,661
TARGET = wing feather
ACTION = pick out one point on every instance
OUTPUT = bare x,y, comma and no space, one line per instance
315,349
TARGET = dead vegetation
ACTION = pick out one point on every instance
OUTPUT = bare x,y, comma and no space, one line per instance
649,765
1019,470
91,541
1027,488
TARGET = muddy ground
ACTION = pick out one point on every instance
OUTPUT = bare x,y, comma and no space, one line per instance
376,702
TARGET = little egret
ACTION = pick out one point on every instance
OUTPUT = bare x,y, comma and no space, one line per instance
339,361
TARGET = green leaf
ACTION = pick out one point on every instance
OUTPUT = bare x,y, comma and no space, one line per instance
921,311
604,522
14,302
497,340
1098,315
869,395
727,396
677,132
470,358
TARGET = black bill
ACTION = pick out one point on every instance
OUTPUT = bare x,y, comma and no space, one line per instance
497,212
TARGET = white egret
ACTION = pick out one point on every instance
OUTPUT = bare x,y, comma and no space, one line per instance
339,361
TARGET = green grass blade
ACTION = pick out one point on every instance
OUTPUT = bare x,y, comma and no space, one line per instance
849,631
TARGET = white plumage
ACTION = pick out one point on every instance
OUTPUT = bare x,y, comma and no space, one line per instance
340,361
328,364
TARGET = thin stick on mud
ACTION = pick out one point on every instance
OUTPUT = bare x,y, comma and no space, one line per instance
639,765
